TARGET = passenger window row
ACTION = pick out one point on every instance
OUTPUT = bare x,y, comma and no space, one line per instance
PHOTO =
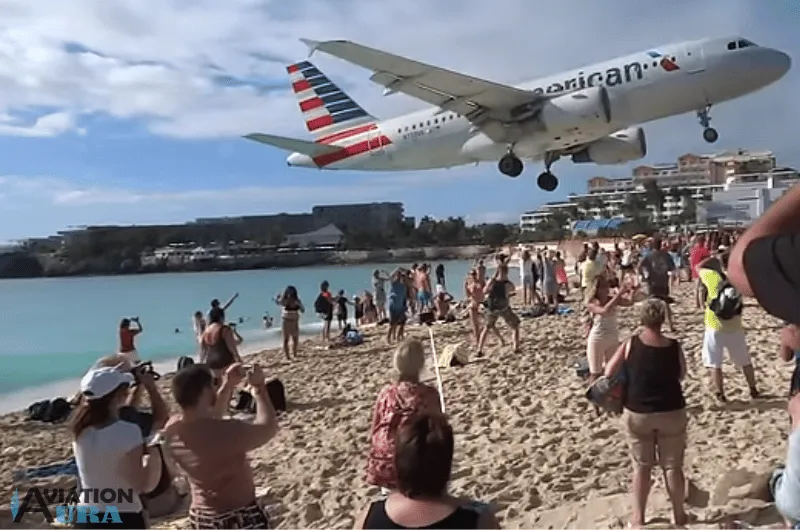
436,121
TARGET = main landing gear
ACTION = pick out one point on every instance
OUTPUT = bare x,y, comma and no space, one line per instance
710,134
511,166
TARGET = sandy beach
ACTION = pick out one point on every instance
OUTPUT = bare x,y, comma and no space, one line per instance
527,440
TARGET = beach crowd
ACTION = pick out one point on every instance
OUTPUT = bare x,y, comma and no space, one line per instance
203,448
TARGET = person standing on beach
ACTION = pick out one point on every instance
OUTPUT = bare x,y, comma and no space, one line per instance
526,277
291,309
127,335
199,325
323,305
657,268
498,291
379,279
224,307
340,303
549,282
697,254
220,343
213,451
422,282
561,273
398,305
723,333
654,410
603,337
440,276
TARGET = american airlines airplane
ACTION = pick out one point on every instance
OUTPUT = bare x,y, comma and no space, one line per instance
590,114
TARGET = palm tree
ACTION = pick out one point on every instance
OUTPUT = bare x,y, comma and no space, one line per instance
654,196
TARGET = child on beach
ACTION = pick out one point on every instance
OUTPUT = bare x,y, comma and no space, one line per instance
340,303
324,308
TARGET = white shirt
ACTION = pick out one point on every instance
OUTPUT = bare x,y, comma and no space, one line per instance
627,254
99,453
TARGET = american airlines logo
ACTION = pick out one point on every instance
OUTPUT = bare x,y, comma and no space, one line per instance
627,73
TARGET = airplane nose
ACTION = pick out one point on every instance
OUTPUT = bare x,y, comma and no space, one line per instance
783,63
299,160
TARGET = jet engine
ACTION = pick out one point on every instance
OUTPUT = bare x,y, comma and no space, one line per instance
618,148
576,110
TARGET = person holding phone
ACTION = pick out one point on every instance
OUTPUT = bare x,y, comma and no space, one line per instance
212,450
127,334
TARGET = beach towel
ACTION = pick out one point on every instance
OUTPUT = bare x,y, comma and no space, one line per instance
67,468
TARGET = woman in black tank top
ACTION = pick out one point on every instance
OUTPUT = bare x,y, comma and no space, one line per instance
217,352
424,458
654,409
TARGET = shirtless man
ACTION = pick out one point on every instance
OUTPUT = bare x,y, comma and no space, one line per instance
422,282
473,289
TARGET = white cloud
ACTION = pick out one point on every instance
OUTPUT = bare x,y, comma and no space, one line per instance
157,59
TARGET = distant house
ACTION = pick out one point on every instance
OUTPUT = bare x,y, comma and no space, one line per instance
327,236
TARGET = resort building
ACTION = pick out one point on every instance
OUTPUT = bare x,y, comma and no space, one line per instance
681,186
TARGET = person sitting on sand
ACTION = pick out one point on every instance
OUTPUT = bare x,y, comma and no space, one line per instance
291,309
498,291
654,409
395,404
213,451
603,337
127,336
398,305
424,462
220,343
723,334
110,452
443,305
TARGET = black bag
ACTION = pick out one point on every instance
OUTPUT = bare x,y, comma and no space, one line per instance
322,305
728,302
184,361
277,394
245,401
49,411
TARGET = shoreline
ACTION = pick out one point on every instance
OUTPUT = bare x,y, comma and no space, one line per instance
273,261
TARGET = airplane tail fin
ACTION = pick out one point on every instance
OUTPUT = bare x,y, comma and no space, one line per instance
326,108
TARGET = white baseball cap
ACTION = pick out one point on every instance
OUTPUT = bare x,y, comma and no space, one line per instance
100,382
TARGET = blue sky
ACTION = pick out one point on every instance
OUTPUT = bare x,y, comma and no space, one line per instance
114,112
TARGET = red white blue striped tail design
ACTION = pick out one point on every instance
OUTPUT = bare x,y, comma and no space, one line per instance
325,107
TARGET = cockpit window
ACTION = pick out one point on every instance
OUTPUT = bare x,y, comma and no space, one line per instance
732,45
745,43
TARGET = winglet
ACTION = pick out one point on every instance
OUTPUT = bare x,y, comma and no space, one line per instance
312,45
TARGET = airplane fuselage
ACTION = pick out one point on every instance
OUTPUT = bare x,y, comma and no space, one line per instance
642,87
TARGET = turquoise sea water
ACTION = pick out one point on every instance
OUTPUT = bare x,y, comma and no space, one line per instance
54,328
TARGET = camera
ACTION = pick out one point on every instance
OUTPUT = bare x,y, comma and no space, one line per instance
145,367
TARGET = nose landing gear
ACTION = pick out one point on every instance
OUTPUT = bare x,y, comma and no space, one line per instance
710,134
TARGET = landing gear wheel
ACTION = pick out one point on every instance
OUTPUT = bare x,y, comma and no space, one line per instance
510,166
547,181
710,135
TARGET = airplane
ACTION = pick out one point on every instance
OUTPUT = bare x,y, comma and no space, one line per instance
592,114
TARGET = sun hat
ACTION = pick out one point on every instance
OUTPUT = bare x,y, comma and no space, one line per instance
100,382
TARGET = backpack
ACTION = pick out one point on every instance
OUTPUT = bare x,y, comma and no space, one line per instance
498,297
728,302
185,361
322,305
49,411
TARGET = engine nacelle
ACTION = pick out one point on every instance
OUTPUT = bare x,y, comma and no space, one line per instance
577,110
618,148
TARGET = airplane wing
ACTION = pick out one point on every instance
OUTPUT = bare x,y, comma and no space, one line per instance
477,99
305,147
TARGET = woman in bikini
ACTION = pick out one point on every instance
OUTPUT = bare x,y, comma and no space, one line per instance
473,289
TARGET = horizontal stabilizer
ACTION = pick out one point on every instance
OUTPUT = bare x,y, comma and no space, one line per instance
305,147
